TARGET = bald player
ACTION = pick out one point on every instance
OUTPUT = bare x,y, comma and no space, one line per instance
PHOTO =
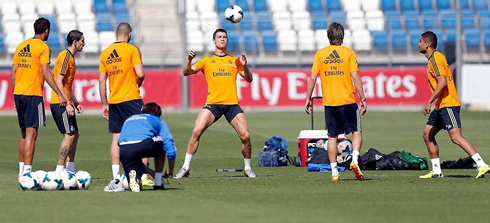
220,71
121,63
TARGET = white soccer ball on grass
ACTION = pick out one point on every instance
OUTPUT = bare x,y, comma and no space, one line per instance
69,181
29,181
52,181
83,179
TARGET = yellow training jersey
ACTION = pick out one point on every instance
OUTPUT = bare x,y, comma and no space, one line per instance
334,64
220,73
64,65
118,61
29,56
437,66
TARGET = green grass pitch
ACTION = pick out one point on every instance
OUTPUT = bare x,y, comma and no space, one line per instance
280,194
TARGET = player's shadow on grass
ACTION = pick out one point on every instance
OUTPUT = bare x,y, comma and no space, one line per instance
233,176
458,176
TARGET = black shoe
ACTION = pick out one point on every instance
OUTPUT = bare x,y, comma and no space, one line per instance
162,187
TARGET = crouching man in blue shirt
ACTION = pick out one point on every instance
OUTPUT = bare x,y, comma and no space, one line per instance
146,135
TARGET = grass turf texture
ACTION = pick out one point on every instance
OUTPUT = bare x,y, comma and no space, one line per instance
281,194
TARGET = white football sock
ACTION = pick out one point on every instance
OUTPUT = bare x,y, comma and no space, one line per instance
21,168
247,164
478,160
436,166
144,176
115,172
334,169
70,166
59,168
187,161
158,178
27,168
355,156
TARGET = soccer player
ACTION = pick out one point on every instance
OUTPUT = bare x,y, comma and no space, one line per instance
447,106
338,70
30,68
121,63
64,117
220,71
146,135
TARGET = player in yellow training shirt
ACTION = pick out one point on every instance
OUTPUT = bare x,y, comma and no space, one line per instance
338,70
30,68
446,113
121,62
220,71
64,73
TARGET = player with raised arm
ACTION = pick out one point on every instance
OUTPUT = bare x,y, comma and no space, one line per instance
220,71
30,68
447,107
121,64
146,135
64,117
339,74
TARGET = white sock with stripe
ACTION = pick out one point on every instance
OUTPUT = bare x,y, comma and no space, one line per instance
21,168
436,166
478,160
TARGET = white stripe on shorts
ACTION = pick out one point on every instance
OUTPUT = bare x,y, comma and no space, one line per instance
65,122
40,114
359,124
453,119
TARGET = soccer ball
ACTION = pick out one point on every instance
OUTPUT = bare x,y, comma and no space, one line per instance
344,150
234,14
52,181
40,177
28,181
69,180
124,181
83,179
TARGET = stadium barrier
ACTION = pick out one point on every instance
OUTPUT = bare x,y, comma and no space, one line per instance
474,84
271,88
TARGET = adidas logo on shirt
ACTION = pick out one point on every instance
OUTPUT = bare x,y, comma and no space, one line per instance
25,52
333,58
113,58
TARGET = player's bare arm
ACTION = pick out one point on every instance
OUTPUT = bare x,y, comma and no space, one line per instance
360,90
78,106
59,82
309,92
188,68
247,75
441,84
12,76
140,74
169,173
103,94
49,79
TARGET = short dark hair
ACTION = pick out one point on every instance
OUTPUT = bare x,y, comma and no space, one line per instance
152,108
41,25
431,38
73,36
335,33
220,30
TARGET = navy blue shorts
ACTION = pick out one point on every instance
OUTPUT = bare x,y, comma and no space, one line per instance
342,119
30,111
66,124
445,118
230,111
118,113
131,154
